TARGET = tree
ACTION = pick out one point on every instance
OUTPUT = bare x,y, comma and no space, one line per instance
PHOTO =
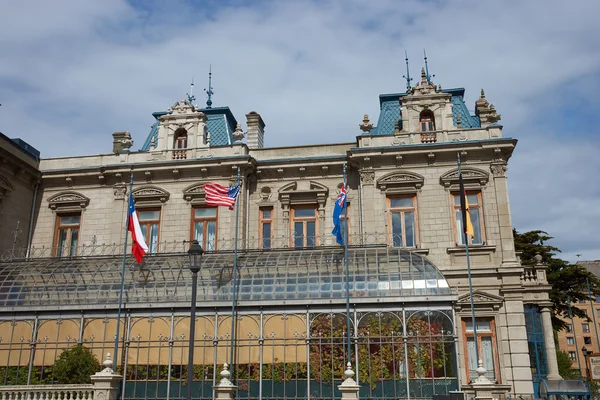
76,365
569,281
565,366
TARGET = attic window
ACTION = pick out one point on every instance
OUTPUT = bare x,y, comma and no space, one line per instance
427,121
181,139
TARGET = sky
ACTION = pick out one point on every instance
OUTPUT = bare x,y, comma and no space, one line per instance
73,72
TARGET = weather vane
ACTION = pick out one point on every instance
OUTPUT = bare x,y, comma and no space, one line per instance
190,96
427,76
209,91
407,76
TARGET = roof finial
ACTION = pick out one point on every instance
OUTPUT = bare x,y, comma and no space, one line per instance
190,96
209,91
423,76
427,76
482,94
407,76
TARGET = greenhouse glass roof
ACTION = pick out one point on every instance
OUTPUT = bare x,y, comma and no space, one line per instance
273,276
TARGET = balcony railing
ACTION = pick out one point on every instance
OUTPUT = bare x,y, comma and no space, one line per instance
94,249
179,154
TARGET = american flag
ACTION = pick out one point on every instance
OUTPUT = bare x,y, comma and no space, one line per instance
219,195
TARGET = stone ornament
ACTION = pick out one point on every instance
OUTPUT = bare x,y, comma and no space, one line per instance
238,134
366,125
498,170
367,177
150,193
469,174
120,191
68,199
400,180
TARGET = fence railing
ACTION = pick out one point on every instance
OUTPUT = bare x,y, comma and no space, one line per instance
47,392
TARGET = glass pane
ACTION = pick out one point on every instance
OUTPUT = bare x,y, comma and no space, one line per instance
460,236
266,235
153,245
311,240
409,226
266,213
298,234
401,202
149,215
304,212
482,325
487,356
472,199
457,200
472,357
199,233
70,220
211,240
62,242
144,229
430,125
476,222
205,212
396,230
74,241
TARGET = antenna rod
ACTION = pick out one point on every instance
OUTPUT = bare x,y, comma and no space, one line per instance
407,76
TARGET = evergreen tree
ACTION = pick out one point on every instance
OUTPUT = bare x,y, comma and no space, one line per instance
76,365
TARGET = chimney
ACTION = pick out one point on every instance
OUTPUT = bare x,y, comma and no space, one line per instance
256,130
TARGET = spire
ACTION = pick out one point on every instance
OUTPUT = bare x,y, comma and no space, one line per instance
190,96
407,76
423,76
427,76
209,91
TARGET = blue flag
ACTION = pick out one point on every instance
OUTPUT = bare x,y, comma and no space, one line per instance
338,209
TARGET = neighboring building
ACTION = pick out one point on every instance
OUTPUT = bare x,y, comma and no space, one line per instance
582,333
19,178
410,303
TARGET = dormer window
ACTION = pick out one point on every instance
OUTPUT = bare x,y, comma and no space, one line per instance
180,145
181,139
427,121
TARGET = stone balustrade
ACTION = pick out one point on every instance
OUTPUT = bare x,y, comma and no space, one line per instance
47,392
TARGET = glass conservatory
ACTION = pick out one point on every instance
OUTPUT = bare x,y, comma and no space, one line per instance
290,328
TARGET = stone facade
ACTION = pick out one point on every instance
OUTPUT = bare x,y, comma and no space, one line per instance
410,162
19,176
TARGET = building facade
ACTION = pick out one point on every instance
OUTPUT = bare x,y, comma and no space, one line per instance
411,332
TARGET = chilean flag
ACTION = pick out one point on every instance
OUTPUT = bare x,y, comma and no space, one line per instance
139,247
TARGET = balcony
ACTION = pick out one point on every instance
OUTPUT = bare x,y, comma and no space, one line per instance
179,154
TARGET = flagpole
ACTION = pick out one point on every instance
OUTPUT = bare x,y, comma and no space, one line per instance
234,297
122,276
466,240
348,351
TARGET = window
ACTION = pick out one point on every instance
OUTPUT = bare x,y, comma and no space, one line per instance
476,214
427,121
570,340
584,312
402,221
66,236
486,343
304,227
597,299
181,139
569,328
598,312
149,221
587,340
204,227
266,226
585,327
582,301
572,356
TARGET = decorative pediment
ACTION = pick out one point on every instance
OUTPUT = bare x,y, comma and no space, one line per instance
400,182
472,177
481,301
194,193
5,186
310,193
68,200
150,195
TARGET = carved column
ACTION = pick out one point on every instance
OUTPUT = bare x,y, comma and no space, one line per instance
549,344
503,208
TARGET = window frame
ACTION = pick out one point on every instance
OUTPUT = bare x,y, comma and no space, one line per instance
481,334
262,222
204,229
428,118
150,222
570,341
478,207
304,220
58,227
179,134
585,327
402,210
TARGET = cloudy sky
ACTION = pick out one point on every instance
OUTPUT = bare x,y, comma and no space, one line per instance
73,72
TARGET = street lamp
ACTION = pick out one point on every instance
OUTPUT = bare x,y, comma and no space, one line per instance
586,354
195,253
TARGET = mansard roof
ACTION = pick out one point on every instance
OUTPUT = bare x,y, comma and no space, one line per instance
390,112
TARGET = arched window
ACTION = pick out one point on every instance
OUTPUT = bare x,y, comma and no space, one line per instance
427,121
181,139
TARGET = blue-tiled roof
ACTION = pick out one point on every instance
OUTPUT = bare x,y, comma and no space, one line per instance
390,112
220,123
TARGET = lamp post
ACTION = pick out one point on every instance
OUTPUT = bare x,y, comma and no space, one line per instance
195,253
586,354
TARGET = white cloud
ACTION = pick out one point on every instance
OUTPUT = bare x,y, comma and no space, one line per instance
74,72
